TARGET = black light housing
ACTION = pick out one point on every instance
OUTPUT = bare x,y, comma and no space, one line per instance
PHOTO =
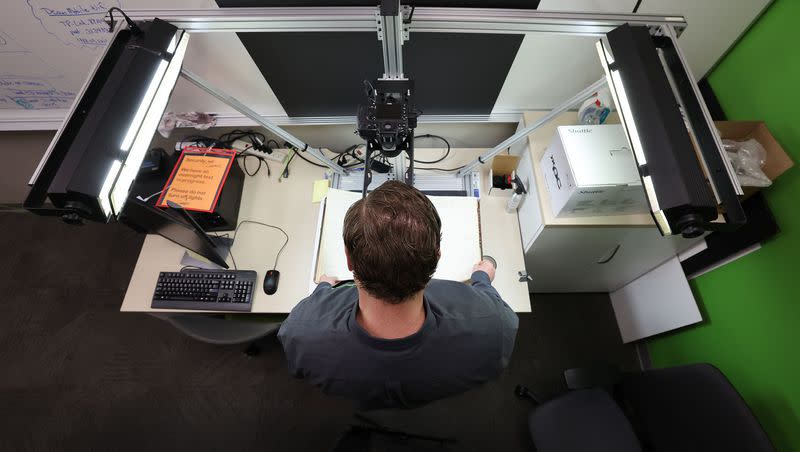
679,159
91,163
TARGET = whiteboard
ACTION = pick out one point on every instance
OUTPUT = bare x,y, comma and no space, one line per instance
48,48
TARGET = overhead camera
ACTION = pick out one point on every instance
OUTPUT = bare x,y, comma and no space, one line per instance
387,122
388,118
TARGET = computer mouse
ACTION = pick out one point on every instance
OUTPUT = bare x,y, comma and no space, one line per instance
271,281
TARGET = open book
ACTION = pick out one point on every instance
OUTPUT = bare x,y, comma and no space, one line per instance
460,246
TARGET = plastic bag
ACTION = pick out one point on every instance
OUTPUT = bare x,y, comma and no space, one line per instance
596,108
200,121
747,158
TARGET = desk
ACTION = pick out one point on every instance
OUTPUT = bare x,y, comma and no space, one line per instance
288,205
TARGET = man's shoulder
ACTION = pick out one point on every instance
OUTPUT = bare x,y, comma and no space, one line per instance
325,303
458,300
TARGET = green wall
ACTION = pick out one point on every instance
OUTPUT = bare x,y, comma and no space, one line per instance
752,306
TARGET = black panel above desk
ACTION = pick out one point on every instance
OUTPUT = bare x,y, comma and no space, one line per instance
518,4
321,74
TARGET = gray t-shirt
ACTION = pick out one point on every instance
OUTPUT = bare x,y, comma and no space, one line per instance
466,339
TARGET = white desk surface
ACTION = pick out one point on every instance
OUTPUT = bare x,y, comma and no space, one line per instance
287,204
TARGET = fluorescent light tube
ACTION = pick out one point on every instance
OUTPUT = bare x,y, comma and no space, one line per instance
173,43
146,100
617,89
108,182
153,116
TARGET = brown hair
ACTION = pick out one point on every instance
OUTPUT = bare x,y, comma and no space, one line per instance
392,237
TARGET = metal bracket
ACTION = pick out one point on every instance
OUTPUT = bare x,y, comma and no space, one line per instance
524,277
379,24
405,14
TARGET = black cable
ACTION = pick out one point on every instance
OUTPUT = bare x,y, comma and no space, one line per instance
257,139
428,135
410,15
369,89
134,28
200,139
244,165
285,242
636,7
230,253
349,152
297,153
190,266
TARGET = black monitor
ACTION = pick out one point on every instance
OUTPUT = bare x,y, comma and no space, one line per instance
177,226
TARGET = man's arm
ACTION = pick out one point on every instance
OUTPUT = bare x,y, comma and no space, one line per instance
290,328
482,277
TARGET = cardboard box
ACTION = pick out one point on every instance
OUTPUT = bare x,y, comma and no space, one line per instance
777,160
589,170
502,165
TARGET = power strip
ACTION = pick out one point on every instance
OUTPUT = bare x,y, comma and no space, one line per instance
277,155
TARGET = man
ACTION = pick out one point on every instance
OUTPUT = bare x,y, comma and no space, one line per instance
395,337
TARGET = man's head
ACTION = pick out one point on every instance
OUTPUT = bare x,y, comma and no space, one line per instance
392,241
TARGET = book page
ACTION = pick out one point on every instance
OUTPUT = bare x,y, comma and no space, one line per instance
460,246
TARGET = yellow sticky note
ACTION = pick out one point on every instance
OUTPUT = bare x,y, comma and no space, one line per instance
320,190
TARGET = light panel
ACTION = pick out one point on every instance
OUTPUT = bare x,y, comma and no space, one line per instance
153,116
628,122
108,182
173,43
136,123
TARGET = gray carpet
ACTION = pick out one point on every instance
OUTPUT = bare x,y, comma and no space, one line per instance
79,375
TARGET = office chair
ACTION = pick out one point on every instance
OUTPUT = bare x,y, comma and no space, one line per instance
688,408
220,330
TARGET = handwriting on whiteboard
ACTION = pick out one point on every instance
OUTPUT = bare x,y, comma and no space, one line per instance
32,93
79,23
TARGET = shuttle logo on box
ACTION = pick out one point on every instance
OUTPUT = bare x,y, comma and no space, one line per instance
580,130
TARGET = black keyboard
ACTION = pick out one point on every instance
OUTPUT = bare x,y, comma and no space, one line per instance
209,290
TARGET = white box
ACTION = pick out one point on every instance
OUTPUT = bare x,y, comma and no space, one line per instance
589,170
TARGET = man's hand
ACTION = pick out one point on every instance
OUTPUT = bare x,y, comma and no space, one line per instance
485,266
328,279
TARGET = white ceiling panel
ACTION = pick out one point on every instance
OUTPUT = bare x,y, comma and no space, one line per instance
548,70
551,68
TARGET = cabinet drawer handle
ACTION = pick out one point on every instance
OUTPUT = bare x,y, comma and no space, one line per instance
605,260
